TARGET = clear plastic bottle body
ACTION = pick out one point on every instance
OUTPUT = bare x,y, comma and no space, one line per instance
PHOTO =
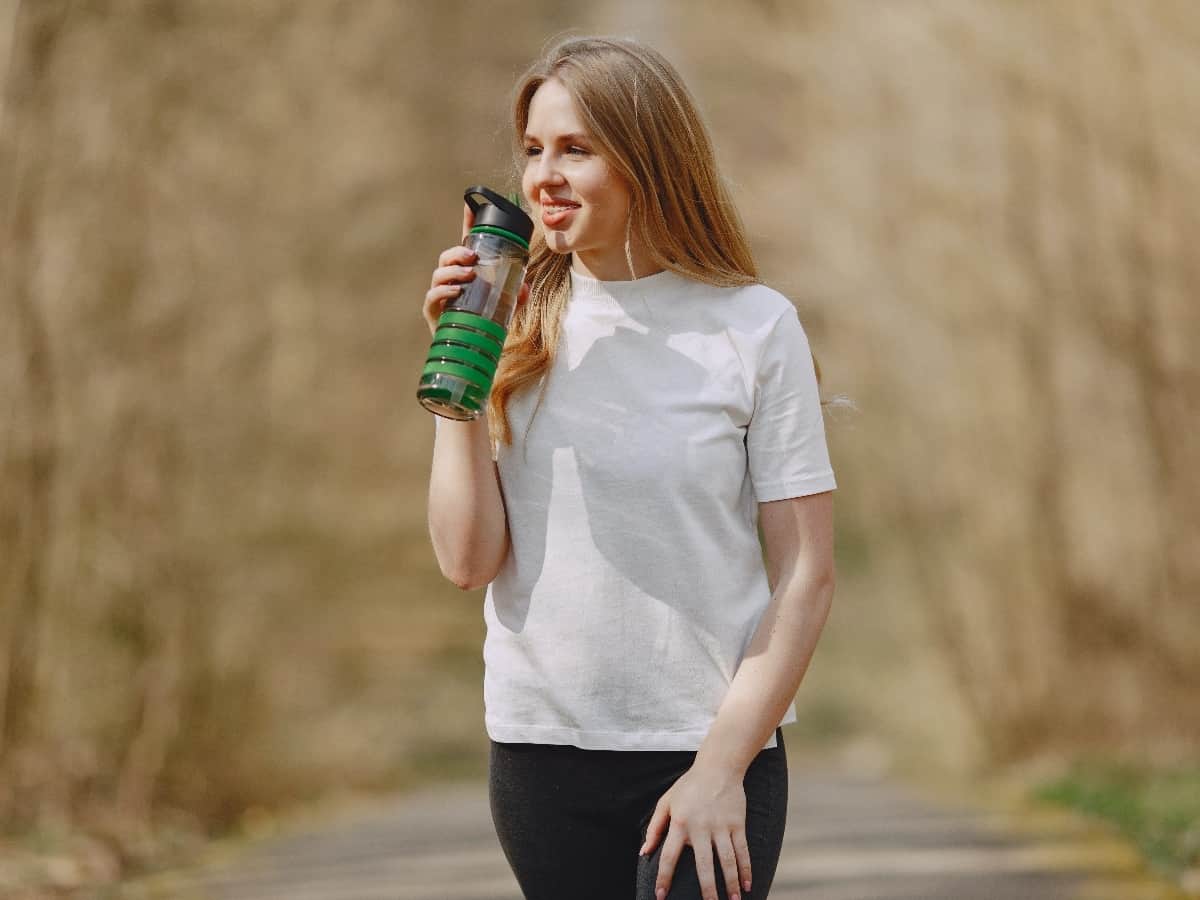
466,347
499,271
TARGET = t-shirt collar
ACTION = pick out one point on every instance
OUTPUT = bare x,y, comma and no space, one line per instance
585,287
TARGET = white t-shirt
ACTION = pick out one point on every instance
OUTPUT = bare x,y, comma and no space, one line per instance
635,578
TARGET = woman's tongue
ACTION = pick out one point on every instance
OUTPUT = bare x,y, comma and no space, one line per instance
558,216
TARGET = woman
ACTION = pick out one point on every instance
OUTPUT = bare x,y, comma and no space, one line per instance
653,401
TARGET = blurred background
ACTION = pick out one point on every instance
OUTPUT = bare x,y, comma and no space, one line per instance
218,599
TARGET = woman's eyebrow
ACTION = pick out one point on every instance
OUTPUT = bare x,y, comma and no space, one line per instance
565,138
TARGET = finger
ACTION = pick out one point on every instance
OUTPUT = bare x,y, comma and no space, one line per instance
463,256
452,275
435,299
657,821
741,850
703,849
468,220
729,868
667,860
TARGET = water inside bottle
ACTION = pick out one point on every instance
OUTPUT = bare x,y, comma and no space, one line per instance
493,293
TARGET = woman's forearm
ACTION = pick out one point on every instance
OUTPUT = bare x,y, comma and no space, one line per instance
769,676
467,523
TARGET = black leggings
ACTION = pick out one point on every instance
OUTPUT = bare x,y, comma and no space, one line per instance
571,821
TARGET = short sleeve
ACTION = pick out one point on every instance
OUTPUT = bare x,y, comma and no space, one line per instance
785,439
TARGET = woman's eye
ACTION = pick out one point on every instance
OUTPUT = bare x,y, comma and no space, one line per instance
578,151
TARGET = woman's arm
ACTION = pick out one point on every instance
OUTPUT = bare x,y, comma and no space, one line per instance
467,521
706,807
468,525
798,538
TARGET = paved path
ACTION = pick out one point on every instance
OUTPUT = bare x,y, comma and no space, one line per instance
847,838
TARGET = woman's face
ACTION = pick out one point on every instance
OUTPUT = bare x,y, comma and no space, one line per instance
582,204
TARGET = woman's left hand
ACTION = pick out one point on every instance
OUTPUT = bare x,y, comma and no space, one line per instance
706,808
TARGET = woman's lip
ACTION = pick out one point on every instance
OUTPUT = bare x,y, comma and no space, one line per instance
554,219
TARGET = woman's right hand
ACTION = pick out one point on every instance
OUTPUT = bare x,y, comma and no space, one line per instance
455,268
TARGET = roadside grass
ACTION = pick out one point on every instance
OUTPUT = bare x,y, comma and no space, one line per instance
1156,808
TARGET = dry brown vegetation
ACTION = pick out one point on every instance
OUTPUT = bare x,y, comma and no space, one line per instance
216,588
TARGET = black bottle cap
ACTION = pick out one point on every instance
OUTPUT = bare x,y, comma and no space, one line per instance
496,212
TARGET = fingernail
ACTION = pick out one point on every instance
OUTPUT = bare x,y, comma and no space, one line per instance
659,894
746,884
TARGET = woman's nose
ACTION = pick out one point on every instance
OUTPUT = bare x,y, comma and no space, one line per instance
546,170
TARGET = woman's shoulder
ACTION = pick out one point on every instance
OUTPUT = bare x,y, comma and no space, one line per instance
749,307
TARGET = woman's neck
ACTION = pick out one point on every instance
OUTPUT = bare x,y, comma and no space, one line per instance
608,265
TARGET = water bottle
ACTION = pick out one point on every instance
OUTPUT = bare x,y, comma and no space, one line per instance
461,365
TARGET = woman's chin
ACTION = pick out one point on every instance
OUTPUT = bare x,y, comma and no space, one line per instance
558,241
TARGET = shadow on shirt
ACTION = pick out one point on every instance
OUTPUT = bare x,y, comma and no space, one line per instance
633,467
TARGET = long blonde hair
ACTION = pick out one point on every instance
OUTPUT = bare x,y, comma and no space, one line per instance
646,125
